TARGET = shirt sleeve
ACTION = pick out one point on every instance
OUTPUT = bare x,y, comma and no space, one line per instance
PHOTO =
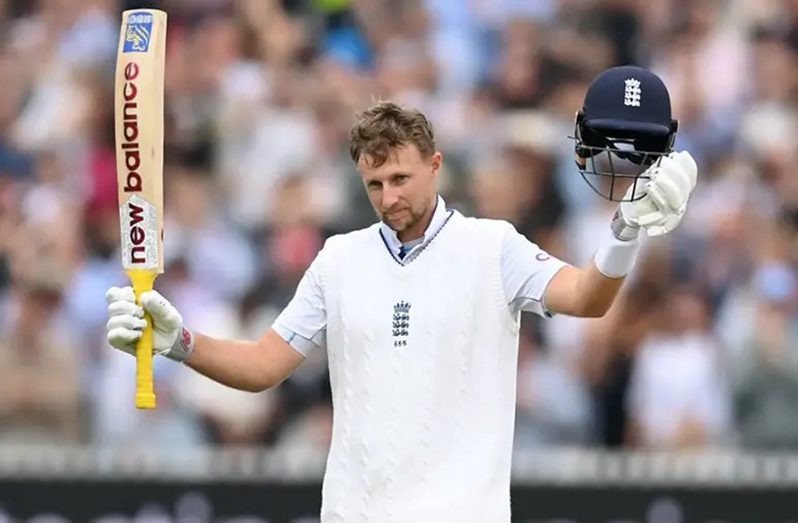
526,272
303,322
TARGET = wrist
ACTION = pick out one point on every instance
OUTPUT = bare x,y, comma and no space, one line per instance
616,257
622,228
183,346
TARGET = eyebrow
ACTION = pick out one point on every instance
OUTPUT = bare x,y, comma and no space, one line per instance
389,177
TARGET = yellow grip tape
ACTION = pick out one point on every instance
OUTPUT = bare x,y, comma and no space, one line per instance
143,281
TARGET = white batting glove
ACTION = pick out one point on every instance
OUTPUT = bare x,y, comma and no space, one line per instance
666,194
126,324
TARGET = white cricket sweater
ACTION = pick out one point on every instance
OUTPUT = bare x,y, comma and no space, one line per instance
423,362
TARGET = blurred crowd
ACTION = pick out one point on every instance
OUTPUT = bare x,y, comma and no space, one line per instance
701,350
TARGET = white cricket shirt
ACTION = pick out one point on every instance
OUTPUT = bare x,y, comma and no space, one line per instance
422,352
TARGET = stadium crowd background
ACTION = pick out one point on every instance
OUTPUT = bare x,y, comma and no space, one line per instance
700,351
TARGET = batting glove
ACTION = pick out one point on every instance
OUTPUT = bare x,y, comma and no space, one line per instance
126,323
666,194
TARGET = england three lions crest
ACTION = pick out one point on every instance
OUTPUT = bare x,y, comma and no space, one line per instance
632,92
401,323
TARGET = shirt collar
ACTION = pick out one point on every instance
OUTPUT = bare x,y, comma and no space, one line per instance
438,219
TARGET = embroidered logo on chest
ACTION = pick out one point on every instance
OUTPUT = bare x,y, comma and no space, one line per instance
401,323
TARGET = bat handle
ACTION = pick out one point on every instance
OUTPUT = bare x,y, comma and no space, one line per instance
143,281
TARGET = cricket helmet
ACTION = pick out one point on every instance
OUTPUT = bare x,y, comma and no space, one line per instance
624,127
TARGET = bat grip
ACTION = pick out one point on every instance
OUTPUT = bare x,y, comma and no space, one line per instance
143,281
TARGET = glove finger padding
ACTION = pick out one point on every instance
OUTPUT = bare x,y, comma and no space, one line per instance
120,294
689,167
667,225
667,193
124,339
125,308
670,185
125,322
164,314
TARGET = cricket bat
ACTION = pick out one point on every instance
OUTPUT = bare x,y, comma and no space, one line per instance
139,121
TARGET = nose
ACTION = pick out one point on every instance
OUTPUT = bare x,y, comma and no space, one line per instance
390,197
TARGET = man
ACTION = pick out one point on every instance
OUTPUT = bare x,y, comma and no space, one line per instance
419,315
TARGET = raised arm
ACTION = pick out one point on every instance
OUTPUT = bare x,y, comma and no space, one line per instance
591,290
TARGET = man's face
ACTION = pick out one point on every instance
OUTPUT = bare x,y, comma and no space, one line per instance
402,190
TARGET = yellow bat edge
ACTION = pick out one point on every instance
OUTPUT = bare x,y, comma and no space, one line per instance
142,282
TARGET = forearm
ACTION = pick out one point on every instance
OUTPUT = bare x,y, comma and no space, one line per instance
590,291
602,279
582,292
245,365
598,291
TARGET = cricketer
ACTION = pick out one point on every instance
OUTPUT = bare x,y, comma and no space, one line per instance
419,313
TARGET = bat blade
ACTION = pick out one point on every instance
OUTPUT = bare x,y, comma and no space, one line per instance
138,116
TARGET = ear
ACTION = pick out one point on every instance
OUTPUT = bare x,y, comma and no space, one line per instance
437,162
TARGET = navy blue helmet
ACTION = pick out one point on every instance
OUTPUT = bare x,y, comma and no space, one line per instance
624,126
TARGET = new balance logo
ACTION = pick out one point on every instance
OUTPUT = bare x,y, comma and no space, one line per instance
631,95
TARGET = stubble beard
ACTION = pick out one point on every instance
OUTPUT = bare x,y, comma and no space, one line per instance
406,223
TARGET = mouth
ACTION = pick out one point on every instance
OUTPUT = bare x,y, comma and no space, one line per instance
392,215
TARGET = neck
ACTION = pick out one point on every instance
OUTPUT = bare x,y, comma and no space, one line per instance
416,231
